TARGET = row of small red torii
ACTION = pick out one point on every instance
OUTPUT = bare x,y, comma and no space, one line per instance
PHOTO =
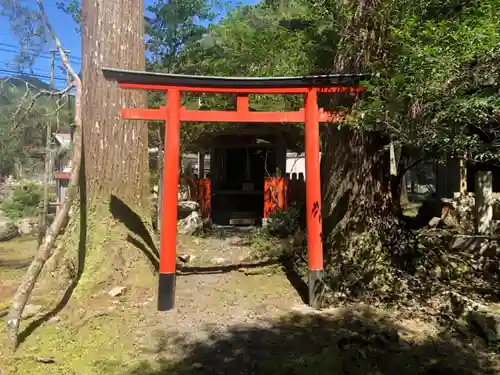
173,113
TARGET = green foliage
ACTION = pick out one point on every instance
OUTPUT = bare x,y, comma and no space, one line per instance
173,25
27,26
434,65
284,222
248,41
24,115
71,7
25,200
267,246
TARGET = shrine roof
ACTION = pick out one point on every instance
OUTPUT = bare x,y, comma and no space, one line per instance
168,79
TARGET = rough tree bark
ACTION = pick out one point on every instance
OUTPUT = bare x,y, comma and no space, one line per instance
355,165
363,233
355,175
116,173
115,150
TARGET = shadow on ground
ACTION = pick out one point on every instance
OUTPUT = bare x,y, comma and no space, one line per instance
187,270
139,235
350,342
14,264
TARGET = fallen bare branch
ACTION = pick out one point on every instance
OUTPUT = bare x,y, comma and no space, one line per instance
44,250
44,360
19,107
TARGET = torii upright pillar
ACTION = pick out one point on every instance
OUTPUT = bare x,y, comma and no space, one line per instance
313,199
168,226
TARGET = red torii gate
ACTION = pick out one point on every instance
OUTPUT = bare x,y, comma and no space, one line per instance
173,113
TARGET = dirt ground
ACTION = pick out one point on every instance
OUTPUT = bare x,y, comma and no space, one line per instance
234,315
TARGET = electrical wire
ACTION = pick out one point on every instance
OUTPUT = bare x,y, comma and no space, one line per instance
73,60
48,54
21,74
8,65
12,66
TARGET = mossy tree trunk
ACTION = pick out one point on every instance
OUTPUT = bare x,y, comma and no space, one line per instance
365,236
355,172
115,180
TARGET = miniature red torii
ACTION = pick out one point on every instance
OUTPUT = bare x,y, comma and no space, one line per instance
173,113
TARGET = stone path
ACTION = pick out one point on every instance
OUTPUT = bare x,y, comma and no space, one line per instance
223,286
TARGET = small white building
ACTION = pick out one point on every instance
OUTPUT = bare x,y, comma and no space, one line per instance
296,163
62,165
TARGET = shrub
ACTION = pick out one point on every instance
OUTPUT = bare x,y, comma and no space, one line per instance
24,201
283,223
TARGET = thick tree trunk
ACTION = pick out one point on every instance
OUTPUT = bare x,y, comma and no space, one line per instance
355,174
363,233
364,237
113,170
116,159
115,194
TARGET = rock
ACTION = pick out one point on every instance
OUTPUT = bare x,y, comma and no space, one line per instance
31,310
185,208
183,193
186,258
191,224
434,222
473,243
480,319
218,260
445,210
54,319
117,291
27,225
188,206
8,231
3,218
486,323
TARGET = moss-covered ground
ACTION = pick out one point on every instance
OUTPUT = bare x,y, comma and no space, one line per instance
234,315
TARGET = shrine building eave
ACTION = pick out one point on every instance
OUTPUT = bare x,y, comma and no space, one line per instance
151,79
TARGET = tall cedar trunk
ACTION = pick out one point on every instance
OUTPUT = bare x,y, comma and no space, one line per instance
116,158
355,164
355,176
365,238
114,204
